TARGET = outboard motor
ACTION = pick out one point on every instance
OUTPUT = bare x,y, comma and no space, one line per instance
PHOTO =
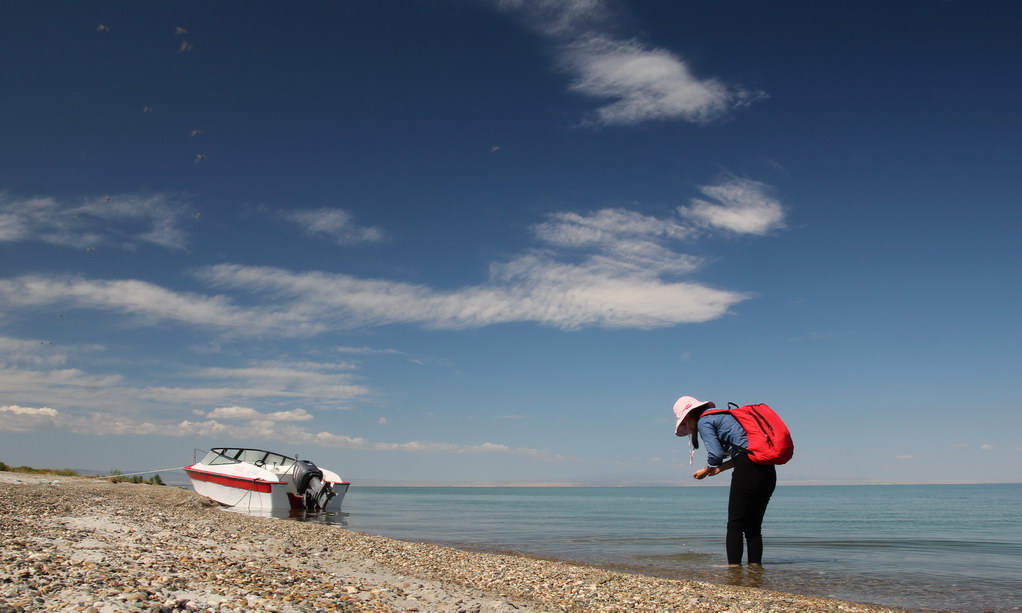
315,492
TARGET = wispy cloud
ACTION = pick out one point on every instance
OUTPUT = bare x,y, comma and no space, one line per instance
122,222
263,384
335,224
149,303
329,385
645,84
532,288
610,268
30,352
607,228
640,82
246,413
740,205
255,425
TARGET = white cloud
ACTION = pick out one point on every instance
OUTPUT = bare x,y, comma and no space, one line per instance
292,415
256,425
246,413
621,242
336,224
30,351
742,206
644,84
610,268
607,227
122,222
150,302
383,421
14,418
325,386
17,381
601,292
368,351
641,82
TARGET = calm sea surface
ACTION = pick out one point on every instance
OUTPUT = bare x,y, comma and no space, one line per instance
924,547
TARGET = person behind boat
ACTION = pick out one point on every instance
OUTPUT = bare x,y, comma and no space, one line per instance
752,484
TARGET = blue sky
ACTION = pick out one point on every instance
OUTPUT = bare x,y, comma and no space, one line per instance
482,241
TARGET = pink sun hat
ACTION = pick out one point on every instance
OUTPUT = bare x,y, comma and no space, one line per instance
684,406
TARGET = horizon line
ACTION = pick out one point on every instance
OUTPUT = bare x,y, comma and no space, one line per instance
580,484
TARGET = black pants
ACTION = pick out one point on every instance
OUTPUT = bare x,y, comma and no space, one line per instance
751,487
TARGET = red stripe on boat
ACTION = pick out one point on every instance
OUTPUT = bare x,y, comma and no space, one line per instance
253,485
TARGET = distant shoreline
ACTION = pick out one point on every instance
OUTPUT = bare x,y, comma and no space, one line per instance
682,482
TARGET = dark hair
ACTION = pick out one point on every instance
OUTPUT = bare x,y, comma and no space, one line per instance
695,433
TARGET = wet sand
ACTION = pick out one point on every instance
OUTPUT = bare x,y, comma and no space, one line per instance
79,544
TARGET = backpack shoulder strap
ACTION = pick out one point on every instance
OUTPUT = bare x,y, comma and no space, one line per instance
730,406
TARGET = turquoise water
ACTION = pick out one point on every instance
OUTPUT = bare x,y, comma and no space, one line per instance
922,547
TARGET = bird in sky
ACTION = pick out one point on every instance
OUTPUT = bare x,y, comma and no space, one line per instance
199,157
147,109
185,47
102,28
494,149
196,132
179,31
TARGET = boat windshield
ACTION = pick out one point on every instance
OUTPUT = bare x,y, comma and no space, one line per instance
225,455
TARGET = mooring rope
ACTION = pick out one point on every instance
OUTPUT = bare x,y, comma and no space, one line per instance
144,472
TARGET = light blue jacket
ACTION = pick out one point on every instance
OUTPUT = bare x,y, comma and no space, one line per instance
723,436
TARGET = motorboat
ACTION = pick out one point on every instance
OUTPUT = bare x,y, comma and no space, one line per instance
263,481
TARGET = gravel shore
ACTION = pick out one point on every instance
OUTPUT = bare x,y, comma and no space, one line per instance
77,544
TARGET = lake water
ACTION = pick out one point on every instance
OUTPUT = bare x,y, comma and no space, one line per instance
922,547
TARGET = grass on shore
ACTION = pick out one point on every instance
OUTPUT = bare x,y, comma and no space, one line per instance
62,472
116,476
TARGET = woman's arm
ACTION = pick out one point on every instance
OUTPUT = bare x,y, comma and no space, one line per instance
708,436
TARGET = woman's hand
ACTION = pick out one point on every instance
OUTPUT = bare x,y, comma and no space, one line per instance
704,472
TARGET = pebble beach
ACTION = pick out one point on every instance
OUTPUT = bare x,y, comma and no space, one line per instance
80,544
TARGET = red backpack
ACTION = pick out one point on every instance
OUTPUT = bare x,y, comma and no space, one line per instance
769,439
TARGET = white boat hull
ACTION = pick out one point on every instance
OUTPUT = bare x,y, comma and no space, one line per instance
251,488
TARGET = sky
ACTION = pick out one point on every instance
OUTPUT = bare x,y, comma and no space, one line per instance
493,241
